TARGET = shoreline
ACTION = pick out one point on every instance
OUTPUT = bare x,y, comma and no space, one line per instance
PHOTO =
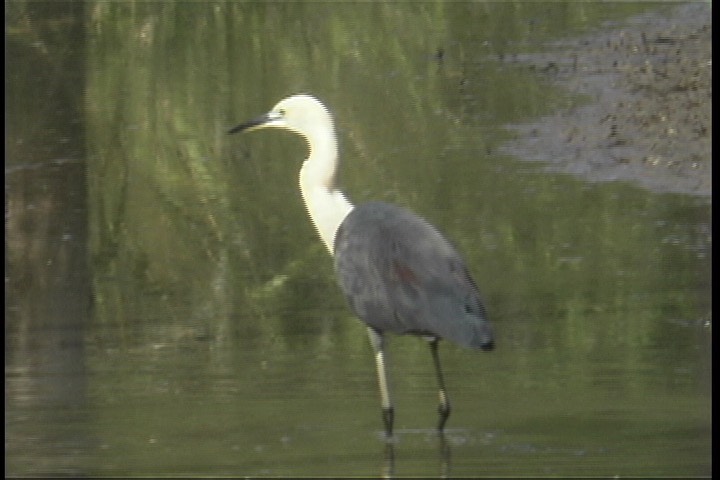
650,121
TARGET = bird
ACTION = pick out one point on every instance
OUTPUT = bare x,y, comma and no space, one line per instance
398,272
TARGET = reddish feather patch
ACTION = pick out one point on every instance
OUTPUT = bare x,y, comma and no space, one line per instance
404,273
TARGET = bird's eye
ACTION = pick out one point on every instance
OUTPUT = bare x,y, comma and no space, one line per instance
282,112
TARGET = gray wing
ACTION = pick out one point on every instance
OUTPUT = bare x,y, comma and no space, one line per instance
400,274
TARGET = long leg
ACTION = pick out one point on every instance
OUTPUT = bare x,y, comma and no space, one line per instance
378,343
444,407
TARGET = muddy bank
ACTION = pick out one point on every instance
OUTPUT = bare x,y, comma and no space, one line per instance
649,119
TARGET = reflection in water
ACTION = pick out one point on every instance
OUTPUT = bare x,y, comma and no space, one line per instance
444,456
46,313
388,464
217,325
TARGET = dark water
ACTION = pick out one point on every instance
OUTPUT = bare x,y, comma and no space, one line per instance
170,310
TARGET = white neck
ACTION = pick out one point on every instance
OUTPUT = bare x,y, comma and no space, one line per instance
326,205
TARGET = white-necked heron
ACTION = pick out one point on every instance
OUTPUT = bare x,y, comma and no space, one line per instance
397,271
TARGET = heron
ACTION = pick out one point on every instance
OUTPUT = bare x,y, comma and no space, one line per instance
398,273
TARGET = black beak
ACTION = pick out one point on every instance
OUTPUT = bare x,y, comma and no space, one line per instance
251,124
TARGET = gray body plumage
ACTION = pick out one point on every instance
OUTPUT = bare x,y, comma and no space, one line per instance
399,274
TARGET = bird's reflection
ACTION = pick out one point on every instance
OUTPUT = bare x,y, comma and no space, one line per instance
388,464
444,455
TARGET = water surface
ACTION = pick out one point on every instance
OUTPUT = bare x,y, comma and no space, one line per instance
170,310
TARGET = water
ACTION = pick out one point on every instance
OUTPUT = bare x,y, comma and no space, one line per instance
170,310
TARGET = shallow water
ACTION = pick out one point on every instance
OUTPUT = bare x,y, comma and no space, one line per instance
170,310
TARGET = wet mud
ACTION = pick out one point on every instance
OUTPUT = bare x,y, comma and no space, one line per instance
649,115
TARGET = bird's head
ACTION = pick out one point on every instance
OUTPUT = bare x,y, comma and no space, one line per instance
302,114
